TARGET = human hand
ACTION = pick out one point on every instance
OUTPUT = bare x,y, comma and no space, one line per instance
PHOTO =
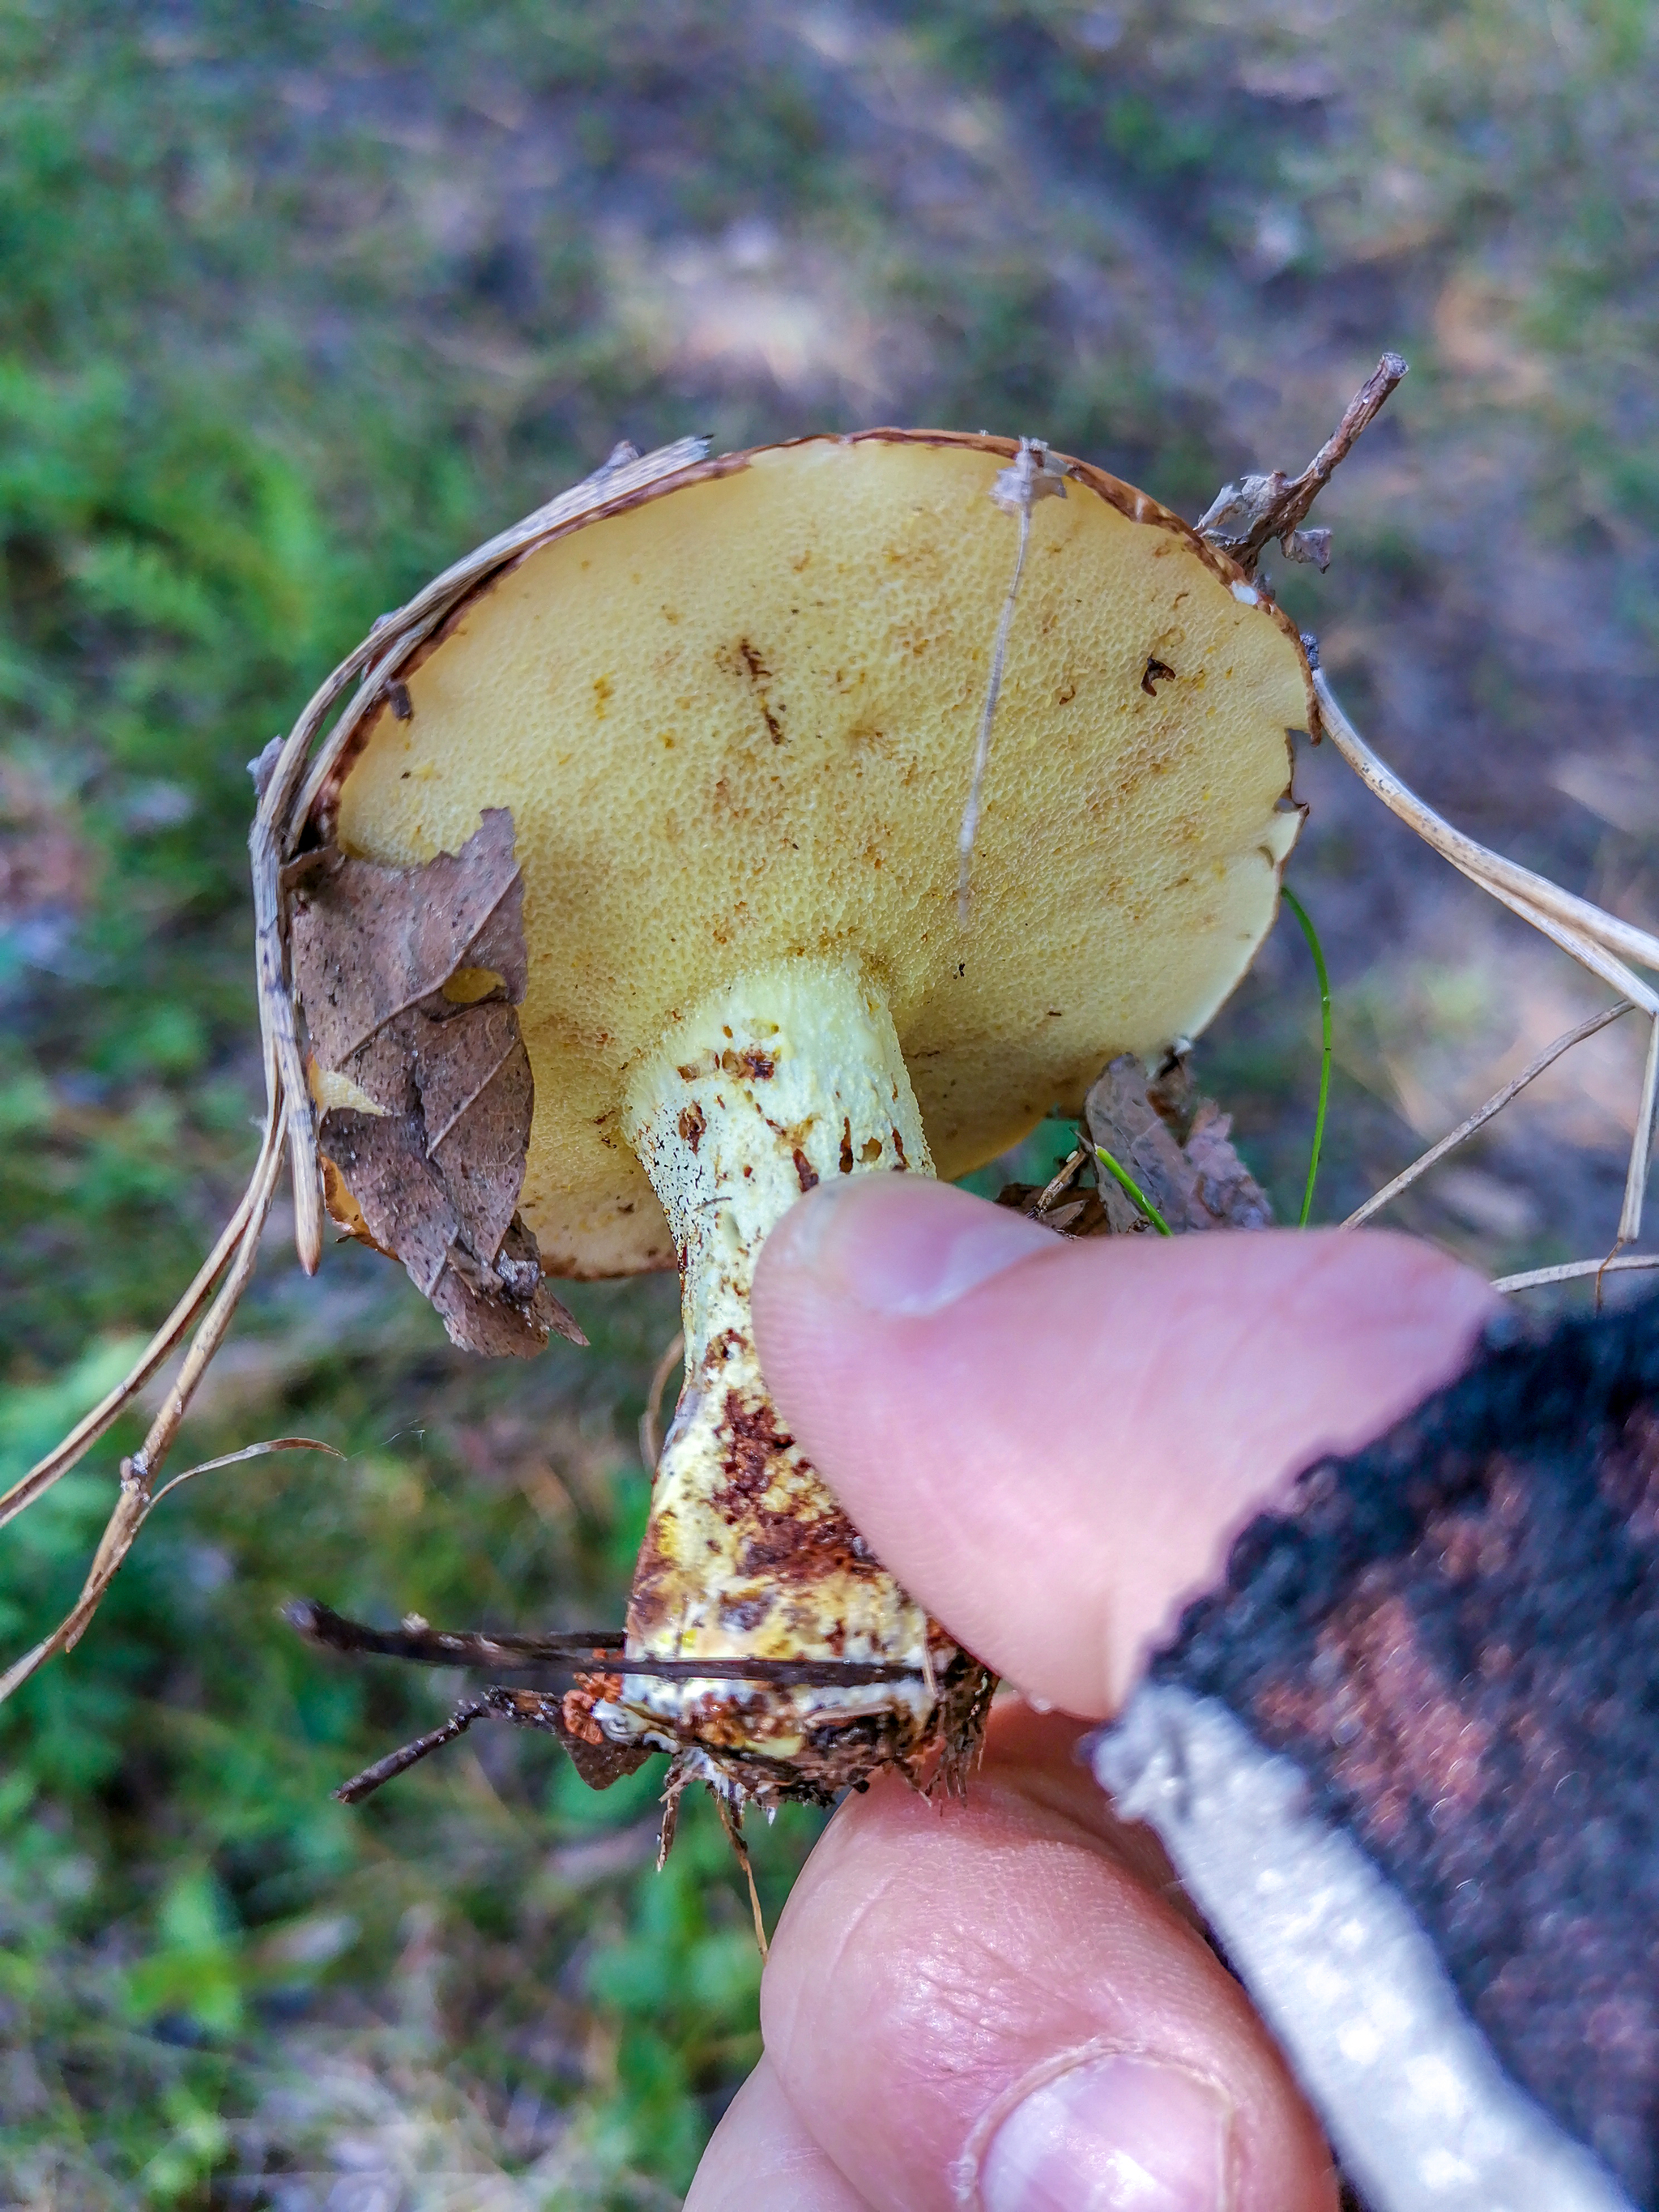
1009,2004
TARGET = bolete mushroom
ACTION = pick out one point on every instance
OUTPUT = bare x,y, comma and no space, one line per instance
734,725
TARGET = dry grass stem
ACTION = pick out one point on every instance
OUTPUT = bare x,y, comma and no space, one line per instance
1482,1114
1489,870
1598,941
136,1494
1059,1181
166,1341
673,1356
1576,1270
733,1823
1017,490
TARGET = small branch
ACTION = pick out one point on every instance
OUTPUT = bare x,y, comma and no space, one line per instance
1059,1181
581,1650
432,1647
1482,1114
1244,517
409,1754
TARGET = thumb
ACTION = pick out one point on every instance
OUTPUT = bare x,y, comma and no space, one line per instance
1052,1444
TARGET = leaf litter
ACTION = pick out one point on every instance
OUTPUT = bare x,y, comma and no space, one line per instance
412,979
1175,1145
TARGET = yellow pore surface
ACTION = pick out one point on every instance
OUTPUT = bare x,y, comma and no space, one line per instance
737,723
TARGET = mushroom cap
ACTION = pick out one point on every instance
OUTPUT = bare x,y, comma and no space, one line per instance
736,722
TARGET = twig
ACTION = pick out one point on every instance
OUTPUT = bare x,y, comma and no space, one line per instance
135,1497
434,1647
409,1754
580,1649
1016,491
1244,517
1058,1182
1575,1270
1482,1114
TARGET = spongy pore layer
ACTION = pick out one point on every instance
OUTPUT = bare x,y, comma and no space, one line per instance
736,723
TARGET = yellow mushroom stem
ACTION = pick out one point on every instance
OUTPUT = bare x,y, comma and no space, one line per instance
787,1078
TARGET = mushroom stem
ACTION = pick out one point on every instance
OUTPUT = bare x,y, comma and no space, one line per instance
787,1078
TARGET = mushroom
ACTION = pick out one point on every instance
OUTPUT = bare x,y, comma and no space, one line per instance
734,725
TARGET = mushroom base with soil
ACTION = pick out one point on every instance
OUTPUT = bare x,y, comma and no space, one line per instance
785,1079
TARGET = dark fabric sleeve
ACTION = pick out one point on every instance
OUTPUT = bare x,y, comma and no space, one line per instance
1450,1645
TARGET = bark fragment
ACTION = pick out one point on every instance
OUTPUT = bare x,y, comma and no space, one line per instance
410,980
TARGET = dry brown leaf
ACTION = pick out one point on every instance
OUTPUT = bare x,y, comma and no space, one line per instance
410,980
1178,1148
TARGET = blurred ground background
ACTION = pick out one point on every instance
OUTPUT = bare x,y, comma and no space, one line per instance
296,303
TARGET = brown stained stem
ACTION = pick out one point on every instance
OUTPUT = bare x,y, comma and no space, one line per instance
1244,517
1482,1114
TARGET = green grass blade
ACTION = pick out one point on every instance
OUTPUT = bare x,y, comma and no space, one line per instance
1117,1169
1323,973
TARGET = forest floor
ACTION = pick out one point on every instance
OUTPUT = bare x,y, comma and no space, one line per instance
296,303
